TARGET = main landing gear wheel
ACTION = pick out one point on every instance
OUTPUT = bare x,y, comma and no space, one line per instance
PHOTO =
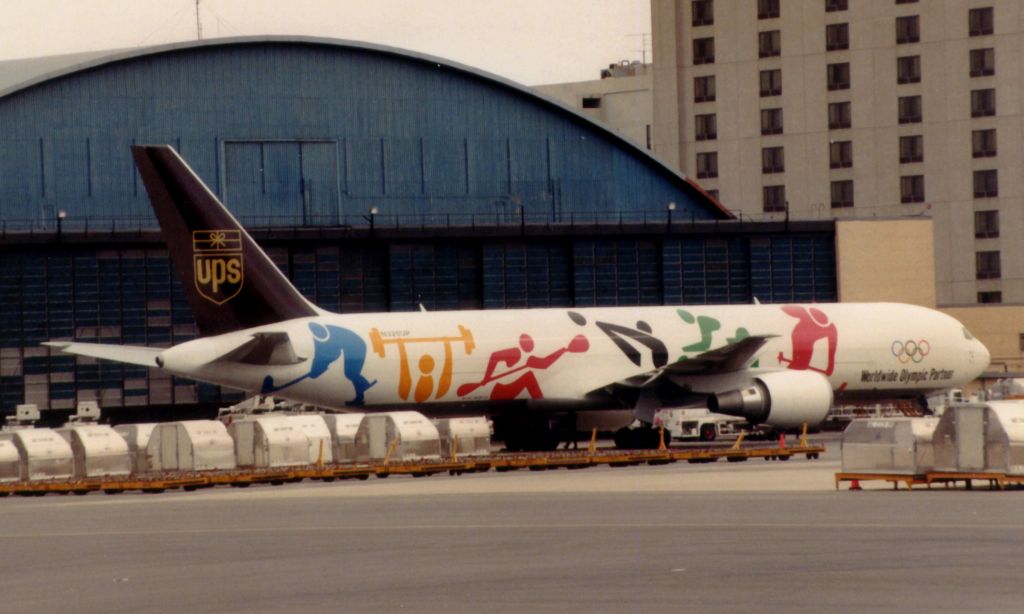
707,432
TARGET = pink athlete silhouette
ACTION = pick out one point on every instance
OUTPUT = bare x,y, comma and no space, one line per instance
813,326
510,357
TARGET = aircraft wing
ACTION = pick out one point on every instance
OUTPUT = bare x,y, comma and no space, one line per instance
726,359
131,354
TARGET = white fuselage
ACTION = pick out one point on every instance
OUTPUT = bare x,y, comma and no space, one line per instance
563,354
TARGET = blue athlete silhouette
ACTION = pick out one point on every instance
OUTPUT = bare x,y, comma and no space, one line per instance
329,343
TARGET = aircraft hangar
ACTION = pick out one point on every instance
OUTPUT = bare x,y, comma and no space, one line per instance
378,180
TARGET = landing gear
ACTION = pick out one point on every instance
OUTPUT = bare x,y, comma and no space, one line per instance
525,434
640,438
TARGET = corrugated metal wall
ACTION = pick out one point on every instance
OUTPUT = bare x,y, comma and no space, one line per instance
315,134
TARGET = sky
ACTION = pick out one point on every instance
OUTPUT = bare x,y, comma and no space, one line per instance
528,41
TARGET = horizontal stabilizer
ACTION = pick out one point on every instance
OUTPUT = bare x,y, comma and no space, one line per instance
266,349
131,354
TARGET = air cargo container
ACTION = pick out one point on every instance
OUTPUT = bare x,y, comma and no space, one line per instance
897,445
190,445
318,435
137,437
343,428
98,450
982,437
10,461
466,436
408,434
269,441
44,454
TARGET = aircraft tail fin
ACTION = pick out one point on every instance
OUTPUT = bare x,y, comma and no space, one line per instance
230,282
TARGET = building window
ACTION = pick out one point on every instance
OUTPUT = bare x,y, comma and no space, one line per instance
907,30
768,9
911,149
912,189
839,76
591,102
987,265
983,103
773,160
905,1
840,154
774,198
986,184
836,5
704,89
713,194
771,82
771,121
980,21
910,109
703,12
983,143
842,194
983,62
707,164
908,69
769,44
837,36
995,297
704,50
839,115
706,127
986,224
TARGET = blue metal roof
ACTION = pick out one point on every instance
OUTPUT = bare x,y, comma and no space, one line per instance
299,131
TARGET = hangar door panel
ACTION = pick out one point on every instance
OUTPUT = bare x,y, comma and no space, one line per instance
282,183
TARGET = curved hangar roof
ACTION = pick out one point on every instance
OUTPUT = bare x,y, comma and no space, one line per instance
312,131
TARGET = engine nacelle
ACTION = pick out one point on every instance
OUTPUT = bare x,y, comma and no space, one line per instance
783,399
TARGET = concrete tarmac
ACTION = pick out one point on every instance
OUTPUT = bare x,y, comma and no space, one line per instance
767,536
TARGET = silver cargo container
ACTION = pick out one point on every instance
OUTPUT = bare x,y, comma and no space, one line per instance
44,454
889,445
137,437
1004,437
269,441
190,445
314,427
98,450
343,428
960,438
10,461
466,436
411,434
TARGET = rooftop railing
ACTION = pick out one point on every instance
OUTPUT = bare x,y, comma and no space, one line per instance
97,227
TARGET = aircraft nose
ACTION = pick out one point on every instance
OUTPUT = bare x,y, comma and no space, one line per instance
982,357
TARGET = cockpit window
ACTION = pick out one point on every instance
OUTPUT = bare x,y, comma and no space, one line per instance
967,334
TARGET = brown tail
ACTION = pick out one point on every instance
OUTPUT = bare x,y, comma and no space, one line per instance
230,283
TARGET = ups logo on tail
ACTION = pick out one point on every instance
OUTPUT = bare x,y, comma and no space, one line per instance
217,264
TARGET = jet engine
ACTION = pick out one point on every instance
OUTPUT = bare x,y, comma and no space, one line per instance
783,399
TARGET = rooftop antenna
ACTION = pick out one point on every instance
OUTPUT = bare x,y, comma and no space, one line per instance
643,44
199,23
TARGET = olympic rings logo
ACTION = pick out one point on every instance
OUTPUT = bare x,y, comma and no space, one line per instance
910,350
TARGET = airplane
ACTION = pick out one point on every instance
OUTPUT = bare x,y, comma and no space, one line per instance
528,369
